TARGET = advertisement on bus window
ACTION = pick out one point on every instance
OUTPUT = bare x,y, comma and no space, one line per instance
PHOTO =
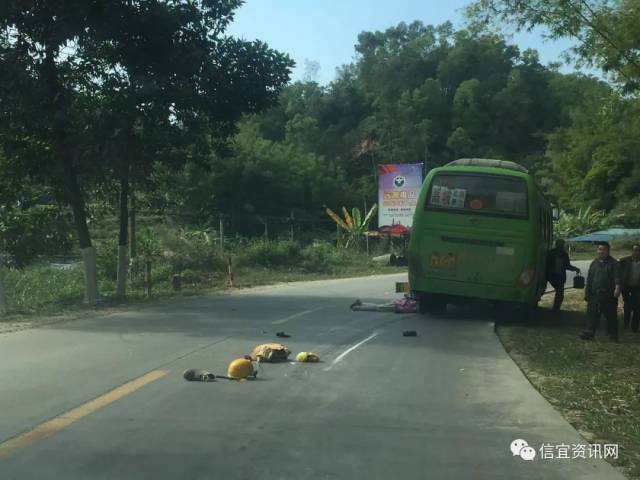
398,189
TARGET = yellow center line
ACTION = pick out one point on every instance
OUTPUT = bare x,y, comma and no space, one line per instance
64,420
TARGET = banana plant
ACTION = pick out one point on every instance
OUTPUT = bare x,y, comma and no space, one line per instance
580,223
355,227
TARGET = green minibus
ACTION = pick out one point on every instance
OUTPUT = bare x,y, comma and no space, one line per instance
481,230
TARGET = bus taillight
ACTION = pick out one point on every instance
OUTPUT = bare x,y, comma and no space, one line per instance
526,277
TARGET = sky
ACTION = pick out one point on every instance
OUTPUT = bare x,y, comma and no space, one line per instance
326,31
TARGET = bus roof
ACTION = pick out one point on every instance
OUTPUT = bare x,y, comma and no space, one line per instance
487,162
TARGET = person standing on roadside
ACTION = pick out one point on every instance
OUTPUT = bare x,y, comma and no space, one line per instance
602,292
557,265
630,271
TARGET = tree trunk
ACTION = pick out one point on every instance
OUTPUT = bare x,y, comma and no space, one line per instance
123,261
3,293
84,237
230,271
59,110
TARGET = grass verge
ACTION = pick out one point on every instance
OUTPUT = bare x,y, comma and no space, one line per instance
42,294
595,385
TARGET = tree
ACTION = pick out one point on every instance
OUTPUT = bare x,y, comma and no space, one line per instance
594,161
607,32
414,92
39,99
149,67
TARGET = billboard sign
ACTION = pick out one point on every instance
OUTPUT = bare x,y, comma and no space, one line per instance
398,189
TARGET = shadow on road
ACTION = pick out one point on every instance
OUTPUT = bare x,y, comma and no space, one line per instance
314,320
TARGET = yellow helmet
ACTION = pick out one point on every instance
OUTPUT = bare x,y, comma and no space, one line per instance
307,357
240,368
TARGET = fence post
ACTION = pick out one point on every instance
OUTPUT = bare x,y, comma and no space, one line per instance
291,220
148,279
230,271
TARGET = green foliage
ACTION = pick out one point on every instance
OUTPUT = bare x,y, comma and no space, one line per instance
95,94
353,224
593,161
584,221
32,224
149,247
40,286
627,213
192,248
319,257
270,254
322,257
107,259
192,276
415,92
607,32
32,231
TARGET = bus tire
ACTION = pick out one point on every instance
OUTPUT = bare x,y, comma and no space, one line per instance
435,305
438,307
422,302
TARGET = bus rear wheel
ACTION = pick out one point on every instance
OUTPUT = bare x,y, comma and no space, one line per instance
431,304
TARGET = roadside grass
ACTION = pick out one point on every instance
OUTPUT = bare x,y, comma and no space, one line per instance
43,291
595,385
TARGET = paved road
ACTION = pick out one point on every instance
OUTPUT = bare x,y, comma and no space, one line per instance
443,405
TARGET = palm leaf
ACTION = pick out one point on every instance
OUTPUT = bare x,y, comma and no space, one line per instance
347,218
370,213
334,216
357,219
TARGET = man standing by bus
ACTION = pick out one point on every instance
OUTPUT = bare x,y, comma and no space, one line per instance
557,265
630,270
602,292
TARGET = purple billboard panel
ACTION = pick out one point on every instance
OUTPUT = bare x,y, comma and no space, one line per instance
398,189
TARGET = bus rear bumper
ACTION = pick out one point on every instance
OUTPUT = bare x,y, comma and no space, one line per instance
462,290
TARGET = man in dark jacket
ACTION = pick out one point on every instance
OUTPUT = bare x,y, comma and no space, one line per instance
602,292
630,271
557,265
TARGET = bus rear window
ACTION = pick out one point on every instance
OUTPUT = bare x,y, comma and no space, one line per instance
477,193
